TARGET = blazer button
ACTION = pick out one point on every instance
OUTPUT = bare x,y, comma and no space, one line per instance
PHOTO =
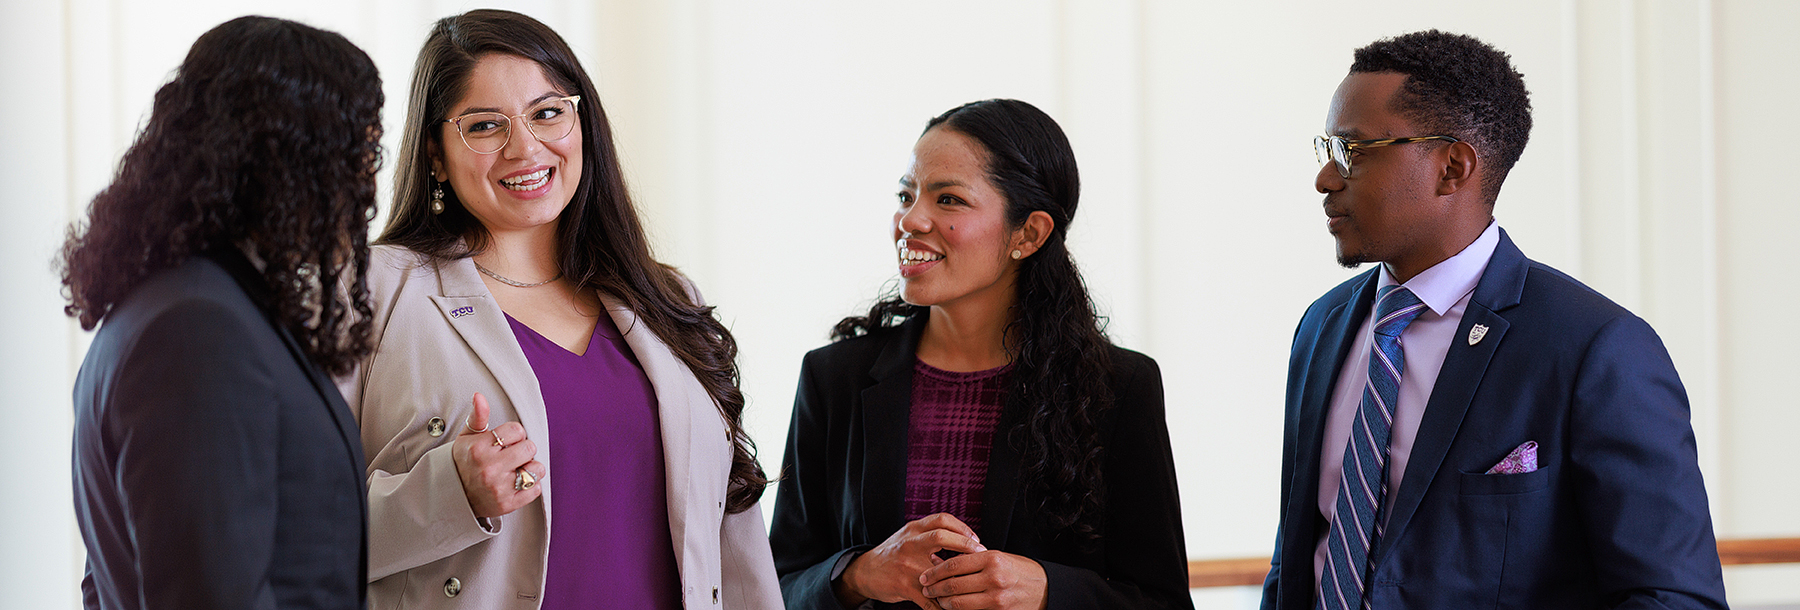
715,596
435,427
452,587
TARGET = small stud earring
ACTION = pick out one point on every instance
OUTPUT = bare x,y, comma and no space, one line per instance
1018,255
437,199
953,227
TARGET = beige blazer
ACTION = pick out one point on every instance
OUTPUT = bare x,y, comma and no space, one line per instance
440,338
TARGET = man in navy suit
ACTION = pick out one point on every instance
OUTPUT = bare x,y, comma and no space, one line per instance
1492,433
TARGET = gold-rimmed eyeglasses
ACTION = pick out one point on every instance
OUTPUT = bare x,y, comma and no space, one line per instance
1336,149
548,121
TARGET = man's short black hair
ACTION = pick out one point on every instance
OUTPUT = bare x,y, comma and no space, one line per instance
1460,86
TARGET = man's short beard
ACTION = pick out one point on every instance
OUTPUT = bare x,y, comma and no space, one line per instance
1351,261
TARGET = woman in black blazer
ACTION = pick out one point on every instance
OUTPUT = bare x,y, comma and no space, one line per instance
976,441
216,466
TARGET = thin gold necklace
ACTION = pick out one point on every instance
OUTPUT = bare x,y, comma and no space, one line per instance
512,282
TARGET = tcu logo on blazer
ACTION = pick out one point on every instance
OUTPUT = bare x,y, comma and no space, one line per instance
462,311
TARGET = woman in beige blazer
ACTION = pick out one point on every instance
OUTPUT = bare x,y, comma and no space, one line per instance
507,170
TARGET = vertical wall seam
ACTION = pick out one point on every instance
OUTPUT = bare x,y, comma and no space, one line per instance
1145,251
705,156
1629,24
72,212
1711,284
1573,184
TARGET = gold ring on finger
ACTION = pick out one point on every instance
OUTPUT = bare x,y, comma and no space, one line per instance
497,441
524,480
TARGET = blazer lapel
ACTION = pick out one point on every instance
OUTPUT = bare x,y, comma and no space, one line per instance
471,310
1002,491
1500,288
240,269
887,413
683,425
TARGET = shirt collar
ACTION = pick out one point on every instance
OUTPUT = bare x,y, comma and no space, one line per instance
1445,283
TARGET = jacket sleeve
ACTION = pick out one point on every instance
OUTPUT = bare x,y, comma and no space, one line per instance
195,428
805,537
1635,465
420,516
1145,552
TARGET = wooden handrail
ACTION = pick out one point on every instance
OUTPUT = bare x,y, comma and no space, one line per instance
1747,551
1245,571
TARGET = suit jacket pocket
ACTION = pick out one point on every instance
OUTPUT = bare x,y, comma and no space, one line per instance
1475,484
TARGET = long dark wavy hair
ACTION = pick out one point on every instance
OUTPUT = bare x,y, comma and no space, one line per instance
1061,356
601,243
267,138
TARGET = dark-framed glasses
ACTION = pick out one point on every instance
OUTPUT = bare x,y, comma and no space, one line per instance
1336,149
488,132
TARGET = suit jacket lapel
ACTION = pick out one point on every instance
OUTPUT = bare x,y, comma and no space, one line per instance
1336,334
1464,366
887,413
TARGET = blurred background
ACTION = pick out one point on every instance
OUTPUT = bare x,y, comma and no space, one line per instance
763,141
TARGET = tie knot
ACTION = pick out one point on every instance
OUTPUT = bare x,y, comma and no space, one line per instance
1395,307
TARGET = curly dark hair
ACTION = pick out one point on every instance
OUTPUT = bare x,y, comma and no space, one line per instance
267,138
1061,355
601,243
1460,86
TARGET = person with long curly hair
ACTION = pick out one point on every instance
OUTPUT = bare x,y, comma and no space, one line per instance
976,441
552,416
215,464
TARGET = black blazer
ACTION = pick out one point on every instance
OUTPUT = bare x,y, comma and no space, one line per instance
844,477
215,467
1615,516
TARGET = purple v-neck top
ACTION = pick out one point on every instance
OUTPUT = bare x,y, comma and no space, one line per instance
609,536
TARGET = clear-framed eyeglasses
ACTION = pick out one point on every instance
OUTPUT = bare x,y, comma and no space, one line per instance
1336,149
488,132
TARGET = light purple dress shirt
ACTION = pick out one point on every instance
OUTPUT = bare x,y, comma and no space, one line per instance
1445,288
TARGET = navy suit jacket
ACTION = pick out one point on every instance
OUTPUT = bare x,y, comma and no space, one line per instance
215,466
1615,515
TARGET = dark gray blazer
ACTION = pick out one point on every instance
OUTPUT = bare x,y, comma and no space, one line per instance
215,466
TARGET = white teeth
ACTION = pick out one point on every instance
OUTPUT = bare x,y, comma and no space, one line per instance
910,256
526,182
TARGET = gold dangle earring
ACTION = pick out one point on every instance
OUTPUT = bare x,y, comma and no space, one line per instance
437,198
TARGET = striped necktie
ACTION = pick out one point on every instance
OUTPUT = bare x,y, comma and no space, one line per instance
1355,528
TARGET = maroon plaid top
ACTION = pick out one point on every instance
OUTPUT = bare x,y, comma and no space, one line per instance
949,438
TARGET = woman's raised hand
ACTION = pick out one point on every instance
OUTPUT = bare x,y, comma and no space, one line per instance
497,467
891,571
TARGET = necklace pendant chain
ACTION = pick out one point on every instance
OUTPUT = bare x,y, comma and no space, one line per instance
512,282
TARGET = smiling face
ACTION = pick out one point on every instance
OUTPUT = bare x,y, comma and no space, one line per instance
950,230
1389,209
527,183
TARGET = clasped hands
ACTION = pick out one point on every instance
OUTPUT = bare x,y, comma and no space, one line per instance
498,467
906,567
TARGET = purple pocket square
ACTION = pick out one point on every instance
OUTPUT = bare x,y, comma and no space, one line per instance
1520,461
